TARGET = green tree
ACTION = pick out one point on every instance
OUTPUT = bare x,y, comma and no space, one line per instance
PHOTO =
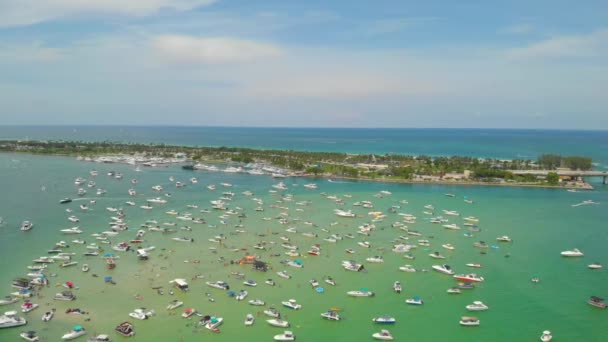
552,178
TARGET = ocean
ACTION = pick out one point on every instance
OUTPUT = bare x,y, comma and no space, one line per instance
541,222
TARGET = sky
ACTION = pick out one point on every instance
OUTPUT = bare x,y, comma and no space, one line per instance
305,63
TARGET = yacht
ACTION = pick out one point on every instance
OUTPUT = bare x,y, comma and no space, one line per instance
331,315
477,306
573,253
386,319
360,293
470,278
384,335
29,336
26,225
414,301
218,285
285,336
469,321
249,319
546,336
10,319
446,269
292,304
74,333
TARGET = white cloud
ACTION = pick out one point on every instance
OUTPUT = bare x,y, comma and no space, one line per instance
27,53
28,12
192,50
594,44
517,29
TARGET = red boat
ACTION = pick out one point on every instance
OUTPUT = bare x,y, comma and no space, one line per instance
315,253
470,278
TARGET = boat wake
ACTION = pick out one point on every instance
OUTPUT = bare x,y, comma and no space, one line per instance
588,202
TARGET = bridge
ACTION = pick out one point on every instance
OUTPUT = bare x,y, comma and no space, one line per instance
603,174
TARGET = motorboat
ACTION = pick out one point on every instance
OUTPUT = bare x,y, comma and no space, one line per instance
477,306
474,265
182,239
384,335
330,281
188,312
26,225
448,246
352,266
416,300
407,268
331,315
314,282
285,336
386,319
283,274
222,285
343,213
469,321
141,313
397,287
454,290
451,226
125,329
360,293
364,244
272,312
174,304
73,230
269,282
241,295
446,269
595,266
573,253
436,255
99,338
29,336
65,200
470,278
291,303
213,323
73,219
28,306
10,319
504,238
250,283
65,296
546,336
48,315
8,300
375,259
68,263
597,302
74,333
257,302
85,268
249,320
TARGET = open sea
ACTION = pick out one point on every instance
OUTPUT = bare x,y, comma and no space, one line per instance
541,222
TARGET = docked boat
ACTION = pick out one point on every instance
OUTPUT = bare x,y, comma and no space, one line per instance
386,319
597,302
285,336
222,285
29,336
477,306
249,320
573,253
397,287
546,336
48,315
446,269
416,300
26,225
360,293
28,306
74,333
469,321
291,304
470,278
384,335
65,296
125,329
331,315
10,319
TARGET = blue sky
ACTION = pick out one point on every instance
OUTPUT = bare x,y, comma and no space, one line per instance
504,64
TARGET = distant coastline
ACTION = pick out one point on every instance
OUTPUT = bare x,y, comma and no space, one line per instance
456,170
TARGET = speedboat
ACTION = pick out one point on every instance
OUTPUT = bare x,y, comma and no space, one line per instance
285,336
257,302
360,293
283,274
222,285
74,333
477,306
331,315
384,335
330,281
99,338
188,312
292,304
573,253
446,269
375,259
29,336
546,336
28,306
65,200
241,295
8,300
414,301
468,321
73,230
597,302
141,313
65,295
249,319
48,315
470,278
448,246
174,304
250,283
26,225
213,323
384,320
10,319
397,286
504,238
595,266
454,290
272,312
269,282
407,268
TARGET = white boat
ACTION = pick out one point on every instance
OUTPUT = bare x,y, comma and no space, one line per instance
446,269
474,265
436,255
257,302
218,285
375,259
469,321
249,319
141,313
48,315
384,320
73,230
174,304
407,268
99,338
448,246
272,312
397,287
595,266
451,226
8,300
477,306
29,336
285,336
343,213
330,281
470,278
384,335
188,312
364,244
573,253
26,225
182,239
414,301
214,322
10,319
28,306
73,219
546,336
241,295
331,315
269,282
291,304
454,290
65,296
74,333
283,274
359,293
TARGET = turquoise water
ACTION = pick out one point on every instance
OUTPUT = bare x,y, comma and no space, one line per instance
541,222
499,143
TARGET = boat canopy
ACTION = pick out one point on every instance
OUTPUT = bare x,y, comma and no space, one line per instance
78,328
181,283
